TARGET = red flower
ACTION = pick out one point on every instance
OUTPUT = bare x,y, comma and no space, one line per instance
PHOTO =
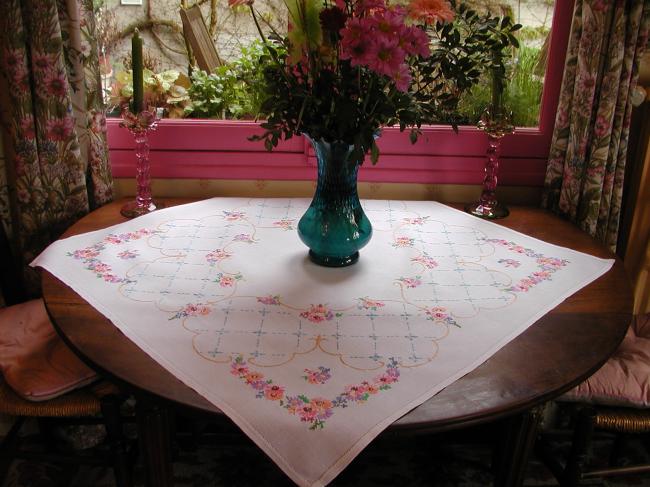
431,11
332,19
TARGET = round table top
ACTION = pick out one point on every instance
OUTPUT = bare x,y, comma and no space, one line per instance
559,351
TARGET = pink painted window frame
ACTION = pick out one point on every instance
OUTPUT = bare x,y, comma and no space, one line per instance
219,149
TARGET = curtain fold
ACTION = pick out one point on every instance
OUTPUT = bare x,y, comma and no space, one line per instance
56,157
584,178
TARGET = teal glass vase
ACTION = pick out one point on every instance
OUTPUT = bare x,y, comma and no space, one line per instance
335,227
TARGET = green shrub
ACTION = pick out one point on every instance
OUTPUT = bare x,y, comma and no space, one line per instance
522,96
234,91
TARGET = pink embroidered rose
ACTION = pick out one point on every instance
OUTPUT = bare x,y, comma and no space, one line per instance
273,392
411,282
85,253
252,377
426,261
401,242
319,376
307,412
128,254
239,369
317,314
227,280
111,278
99,267
217,255
385,379
285,224
269,300
323,407
365,303
197,310
232,216
356,392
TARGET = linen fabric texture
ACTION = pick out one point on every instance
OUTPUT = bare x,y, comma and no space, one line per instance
313,363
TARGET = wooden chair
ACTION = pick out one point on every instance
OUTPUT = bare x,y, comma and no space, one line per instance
96,403
198,37
616,399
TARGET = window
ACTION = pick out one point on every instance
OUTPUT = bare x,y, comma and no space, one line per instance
219,149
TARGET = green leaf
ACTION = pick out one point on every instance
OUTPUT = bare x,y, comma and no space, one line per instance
374,152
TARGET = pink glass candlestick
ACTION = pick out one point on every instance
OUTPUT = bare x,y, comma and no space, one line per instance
487,206
140,125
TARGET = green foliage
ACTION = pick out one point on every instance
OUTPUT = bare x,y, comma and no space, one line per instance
523,93
474,48
351,103
234,91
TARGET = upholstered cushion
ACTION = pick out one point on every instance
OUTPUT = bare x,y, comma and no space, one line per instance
624,380
33,359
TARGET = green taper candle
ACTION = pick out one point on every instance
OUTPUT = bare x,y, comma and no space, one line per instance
497,87
136,68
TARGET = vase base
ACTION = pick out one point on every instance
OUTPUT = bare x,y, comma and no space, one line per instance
488,212
330,261
132,209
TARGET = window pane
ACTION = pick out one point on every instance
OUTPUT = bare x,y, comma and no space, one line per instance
233,91
524,90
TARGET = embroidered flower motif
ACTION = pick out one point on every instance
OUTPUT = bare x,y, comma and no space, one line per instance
82,254
509,262
411,282
228,280
547,265
243,237
360,393
273,392
320,376
416,221
238,367
366,303
233,216
255,379
128,254
192,309
114,239
285,224
313,410
101,270
426,261
401,242
440,314
269,300
317,313
551,263
104,271
217,256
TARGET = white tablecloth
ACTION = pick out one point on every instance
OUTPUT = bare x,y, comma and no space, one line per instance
311,362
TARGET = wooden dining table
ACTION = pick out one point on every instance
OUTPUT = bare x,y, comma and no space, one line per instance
559,351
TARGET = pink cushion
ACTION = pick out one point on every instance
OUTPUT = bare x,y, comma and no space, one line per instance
624,380
34,361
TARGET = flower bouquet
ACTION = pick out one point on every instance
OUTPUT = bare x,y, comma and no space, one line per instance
346,69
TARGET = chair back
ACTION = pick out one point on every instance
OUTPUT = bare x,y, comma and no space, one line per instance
11,280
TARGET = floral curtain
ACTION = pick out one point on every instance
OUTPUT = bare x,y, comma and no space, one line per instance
584,178
56,160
